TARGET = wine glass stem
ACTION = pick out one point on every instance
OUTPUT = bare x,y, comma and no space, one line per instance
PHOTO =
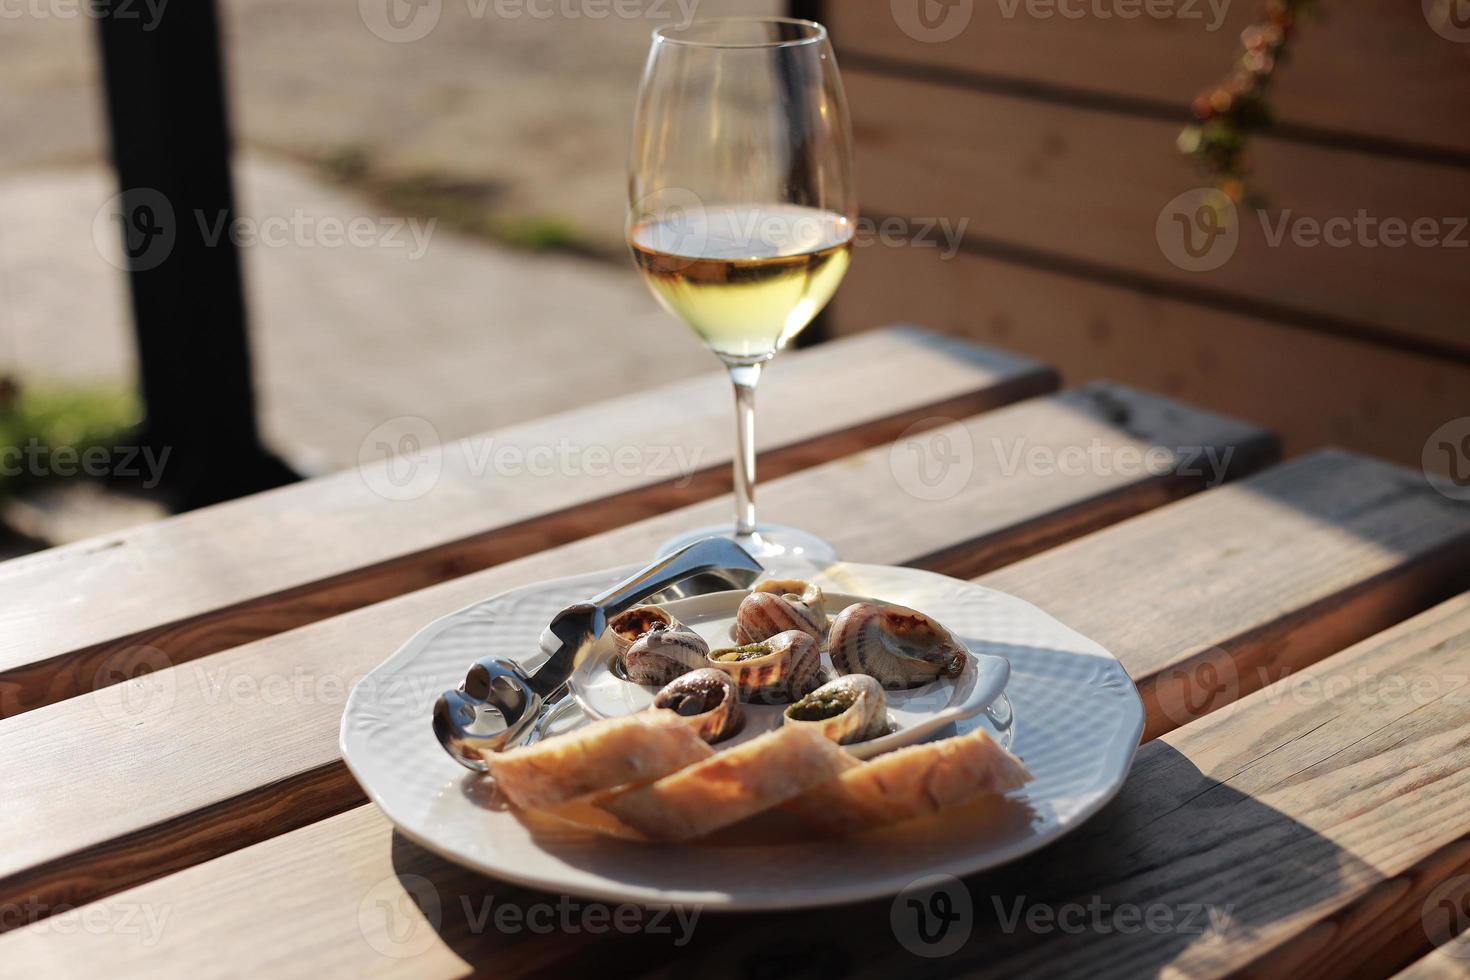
745,378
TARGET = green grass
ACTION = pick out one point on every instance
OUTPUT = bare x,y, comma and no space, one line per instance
51,416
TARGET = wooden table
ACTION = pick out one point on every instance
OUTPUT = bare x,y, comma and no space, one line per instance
174,802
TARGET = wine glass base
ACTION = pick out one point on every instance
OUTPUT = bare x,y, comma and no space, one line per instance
769,541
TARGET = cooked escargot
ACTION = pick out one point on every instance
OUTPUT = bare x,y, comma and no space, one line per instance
708,699
653,647
898,646
630,624
778,605
850,709
773,671
661,655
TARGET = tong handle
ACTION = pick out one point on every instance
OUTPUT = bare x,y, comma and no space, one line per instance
578,626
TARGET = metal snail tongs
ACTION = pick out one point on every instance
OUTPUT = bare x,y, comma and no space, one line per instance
498,702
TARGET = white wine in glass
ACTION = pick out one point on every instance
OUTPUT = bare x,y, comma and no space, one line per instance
742,208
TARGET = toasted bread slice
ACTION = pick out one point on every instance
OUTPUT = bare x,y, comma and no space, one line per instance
912,782
631,750
733,785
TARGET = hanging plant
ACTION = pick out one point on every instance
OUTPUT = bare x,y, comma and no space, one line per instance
1230,112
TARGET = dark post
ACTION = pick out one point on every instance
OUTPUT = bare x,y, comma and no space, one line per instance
819,329
171,147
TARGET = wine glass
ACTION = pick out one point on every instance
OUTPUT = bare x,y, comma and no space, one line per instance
742,207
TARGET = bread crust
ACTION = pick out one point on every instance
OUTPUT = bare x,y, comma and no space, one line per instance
916,781
737,783
631,750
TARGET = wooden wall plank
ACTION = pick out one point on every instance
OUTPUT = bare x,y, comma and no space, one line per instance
1313,817
1061,185
197,770
219,577
1311,388
1372,68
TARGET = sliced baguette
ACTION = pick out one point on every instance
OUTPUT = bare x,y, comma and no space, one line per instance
912,782
735,784
631,750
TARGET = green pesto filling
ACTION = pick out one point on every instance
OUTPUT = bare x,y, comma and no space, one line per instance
735,655
821,705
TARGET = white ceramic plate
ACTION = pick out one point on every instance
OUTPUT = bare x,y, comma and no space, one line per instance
1078,722
915,714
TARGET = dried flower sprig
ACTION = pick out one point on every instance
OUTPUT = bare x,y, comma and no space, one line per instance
1230,112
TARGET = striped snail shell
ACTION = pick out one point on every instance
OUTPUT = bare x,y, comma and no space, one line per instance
706,698
774,671
900,647
851,708
778,605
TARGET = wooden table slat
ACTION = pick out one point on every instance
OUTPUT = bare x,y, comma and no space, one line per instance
205,757
220,577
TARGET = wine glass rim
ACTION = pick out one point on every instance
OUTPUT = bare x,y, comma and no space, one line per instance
668,34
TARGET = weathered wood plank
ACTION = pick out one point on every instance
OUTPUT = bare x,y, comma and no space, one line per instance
220,577
1314,817
1062,184
1228,362
1353,70
237,746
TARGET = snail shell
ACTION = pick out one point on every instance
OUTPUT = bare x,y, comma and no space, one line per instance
778,605
774,671
629,625
661,655
900,647
850,709
706,698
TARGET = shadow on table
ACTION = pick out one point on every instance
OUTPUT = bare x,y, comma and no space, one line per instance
1152,878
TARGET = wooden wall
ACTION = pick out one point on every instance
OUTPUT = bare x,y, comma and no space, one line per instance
1052,140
